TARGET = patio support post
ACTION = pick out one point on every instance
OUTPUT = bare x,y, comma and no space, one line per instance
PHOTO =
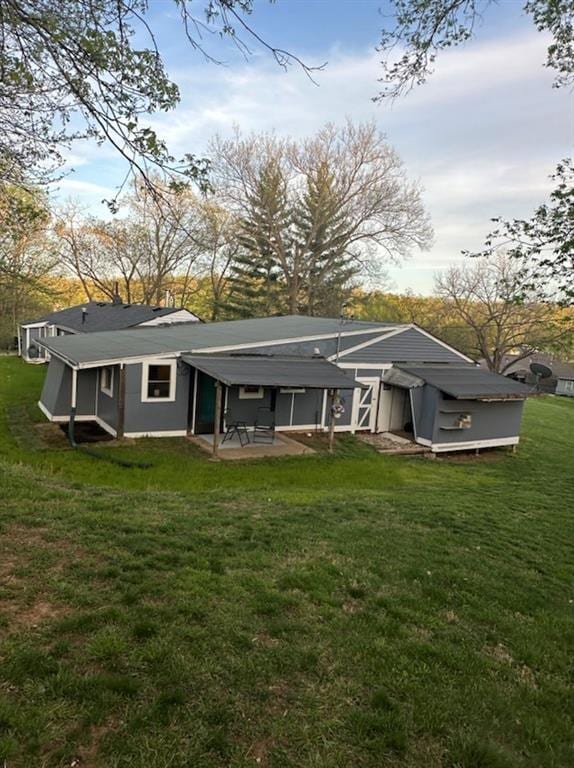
217,419
121,402
332,395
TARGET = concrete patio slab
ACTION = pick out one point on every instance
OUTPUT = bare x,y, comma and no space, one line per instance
232,449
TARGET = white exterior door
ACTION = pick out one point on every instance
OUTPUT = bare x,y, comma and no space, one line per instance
365,402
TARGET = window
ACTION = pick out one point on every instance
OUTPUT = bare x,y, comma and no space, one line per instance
569,386
292,390
107,380
250,393
158,382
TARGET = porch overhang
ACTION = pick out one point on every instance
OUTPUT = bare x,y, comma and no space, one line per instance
272,371
462,382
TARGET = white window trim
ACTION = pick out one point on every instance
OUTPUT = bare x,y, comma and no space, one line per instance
292,390
172,382
243,395
109,391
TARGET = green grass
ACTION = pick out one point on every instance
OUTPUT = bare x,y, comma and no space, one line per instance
318,612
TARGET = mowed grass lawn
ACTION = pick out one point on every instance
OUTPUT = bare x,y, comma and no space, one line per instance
355,610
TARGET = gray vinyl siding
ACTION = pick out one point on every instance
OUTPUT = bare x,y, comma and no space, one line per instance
307,407
108,406
326,347
57,388
56,394
490,420
408,346
367,373
86,393
425,405
246,410
156,416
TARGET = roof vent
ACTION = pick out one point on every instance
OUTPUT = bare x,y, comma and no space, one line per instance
157,309
101,304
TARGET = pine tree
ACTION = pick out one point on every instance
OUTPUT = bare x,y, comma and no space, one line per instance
322,234
258,285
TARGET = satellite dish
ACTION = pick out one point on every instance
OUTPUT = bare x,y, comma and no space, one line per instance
541,370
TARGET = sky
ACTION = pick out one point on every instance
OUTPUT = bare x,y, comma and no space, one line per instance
481,136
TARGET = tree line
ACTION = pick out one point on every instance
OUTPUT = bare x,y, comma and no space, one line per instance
287,227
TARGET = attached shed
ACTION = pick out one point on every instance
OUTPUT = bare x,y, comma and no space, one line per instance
460,407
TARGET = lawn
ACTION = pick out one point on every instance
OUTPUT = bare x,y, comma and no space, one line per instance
310,612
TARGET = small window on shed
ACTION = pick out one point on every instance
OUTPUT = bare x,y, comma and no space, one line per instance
569,386
107,380
250,392
158,382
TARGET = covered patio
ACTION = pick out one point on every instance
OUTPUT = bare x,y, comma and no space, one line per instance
232,449
249,400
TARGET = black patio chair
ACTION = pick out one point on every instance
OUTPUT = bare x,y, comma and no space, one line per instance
235,427
264,427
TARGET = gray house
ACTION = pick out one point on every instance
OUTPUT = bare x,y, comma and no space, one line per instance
381,377
560,382
92,317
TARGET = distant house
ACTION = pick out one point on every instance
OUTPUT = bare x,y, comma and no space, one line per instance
196,378
93,317
561,382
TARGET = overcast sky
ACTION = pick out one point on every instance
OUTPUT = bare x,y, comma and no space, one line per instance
482,135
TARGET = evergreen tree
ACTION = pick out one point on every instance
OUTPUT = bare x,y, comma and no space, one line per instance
322,233
258,285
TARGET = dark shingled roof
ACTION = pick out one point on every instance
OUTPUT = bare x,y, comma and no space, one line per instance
103,316
467,382
196,337
270,371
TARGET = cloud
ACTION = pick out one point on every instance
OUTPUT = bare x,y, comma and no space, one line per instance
482,135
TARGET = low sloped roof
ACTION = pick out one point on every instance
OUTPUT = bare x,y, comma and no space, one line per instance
103,316
464,382
194,337
272,371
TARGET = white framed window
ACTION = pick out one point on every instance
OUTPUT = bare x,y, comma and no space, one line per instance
292,390
107,380
250,392
158,381
569,386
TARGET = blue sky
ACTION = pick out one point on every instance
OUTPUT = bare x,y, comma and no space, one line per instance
481,136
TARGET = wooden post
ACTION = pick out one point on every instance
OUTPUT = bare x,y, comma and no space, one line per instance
332,395
217,419
121,402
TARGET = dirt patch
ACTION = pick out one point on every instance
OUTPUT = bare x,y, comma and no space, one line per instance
264,640
499,653
25,602
88,754
351,606
488,455
51,436
259,750
450,617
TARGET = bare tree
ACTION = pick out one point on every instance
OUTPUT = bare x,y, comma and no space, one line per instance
219,248
375,213
158,240
487,295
